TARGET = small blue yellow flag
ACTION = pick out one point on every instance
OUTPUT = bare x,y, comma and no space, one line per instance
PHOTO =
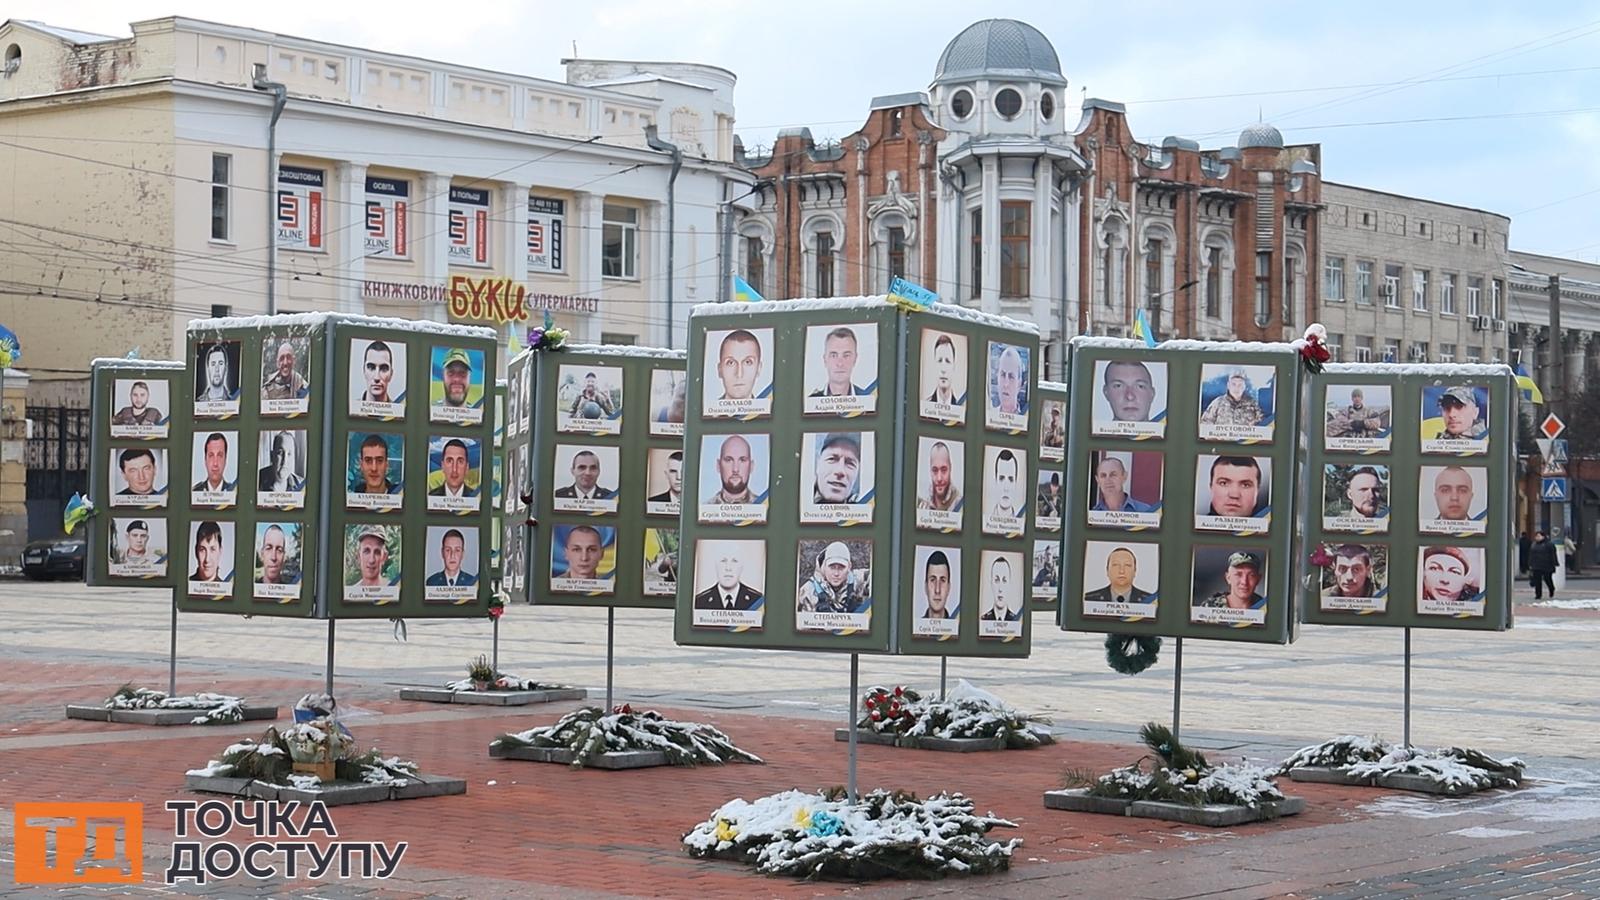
513,346
78,509
910,295
1530,389
1142,329
744,293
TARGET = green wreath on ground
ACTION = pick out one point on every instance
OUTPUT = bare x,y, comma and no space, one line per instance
1131,654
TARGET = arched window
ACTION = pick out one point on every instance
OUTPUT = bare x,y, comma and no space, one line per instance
892,254
1294,287
1112,243
753,253
823,236
1156,286
1216,266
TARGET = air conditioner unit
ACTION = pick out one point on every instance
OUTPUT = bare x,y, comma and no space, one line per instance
1418,353
1499,324
1514,327
1387,291
1477,323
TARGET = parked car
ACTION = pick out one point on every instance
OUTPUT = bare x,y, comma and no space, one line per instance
56,556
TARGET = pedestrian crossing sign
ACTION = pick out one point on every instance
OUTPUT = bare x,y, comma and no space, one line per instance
1553,490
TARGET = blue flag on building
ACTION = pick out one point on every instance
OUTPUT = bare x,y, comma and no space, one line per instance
744,293
1142,329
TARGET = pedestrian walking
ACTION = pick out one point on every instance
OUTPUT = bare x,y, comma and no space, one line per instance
1542,565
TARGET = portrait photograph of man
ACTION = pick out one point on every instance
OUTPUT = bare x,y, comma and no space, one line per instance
281,480
1048,500
942,388
841,369
138,477
514,405
1237,402
1233,493
1450,581
212,543
589,399
1455,419
1355,498
663,482
375,471
1358,417
1357,580
1005,495
1001,612
729,584
216,379
524,409
278,562
738,373
455,385
837,477
452,565
1053,430
1046,569
1129,398
372,564
142,406
941,476
1125,488
455,474
377,379
215,467
1230,586
834,586
285,375
668,399
936,599
137,548
1121,580
733,478
583,559
586,478
1009,388
660,562
1453,500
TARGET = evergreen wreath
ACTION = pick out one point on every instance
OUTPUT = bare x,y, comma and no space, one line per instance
1131,654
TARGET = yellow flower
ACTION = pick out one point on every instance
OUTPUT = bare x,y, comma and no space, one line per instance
1191,775
802,818
726,831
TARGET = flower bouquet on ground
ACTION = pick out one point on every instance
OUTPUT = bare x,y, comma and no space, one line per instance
271,759
214,709
482,676
1173,773
966,713
591,731
1455,770
882,835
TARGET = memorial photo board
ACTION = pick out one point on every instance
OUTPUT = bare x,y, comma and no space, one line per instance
1414,496
514,486
1182,490
821,433
313,500
607,479
1050,495
130,471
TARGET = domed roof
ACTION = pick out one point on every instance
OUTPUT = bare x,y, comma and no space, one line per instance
1260,135
1003,47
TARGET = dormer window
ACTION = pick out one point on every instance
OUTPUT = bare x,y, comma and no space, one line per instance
961,104
1047,106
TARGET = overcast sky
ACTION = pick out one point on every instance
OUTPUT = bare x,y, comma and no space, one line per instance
1508,94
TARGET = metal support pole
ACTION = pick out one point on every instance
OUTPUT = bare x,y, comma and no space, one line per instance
611,632
496,624
1177,689
327,681
855,662
172,654
944,664
1406,733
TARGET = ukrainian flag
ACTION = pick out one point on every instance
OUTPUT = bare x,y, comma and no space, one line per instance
1525,383
744,293
1142,329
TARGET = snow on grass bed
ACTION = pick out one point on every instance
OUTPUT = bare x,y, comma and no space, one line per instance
590,731
215,709
883,835
966,712
508,682
270,760
1452,768
1177,774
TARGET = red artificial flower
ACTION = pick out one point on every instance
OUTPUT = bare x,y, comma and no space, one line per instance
899,691
875,715
496,612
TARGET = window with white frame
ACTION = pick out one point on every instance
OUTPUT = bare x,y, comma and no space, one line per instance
221,197
1419,290
1474,354
1214,282
1363,349
1474,295
1419,351
1447,353
896,247
1363,283
1391,286
1263,287
1333,278
619,242
1447,293
1495,296
824,250
1015,226
1391,350
1335,344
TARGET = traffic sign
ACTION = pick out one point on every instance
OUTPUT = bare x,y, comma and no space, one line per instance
1553,490
1552,426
